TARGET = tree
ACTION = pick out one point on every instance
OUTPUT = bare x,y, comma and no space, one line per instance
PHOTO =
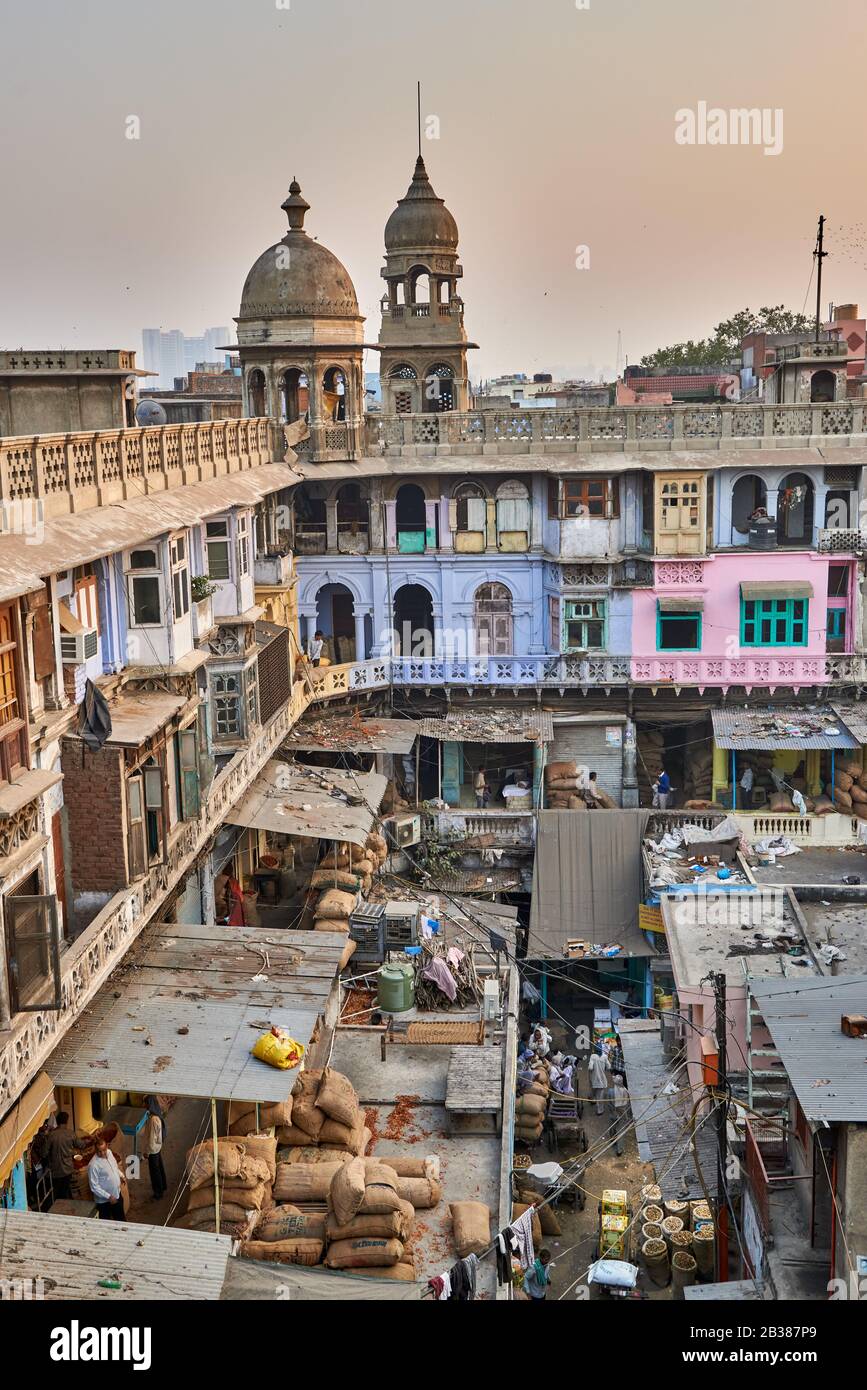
724,346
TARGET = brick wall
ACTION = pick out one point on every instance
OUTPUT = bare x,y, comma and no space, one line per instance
93,791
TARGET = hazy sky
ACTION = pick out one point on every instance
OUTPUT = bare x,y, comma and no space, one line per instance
557,131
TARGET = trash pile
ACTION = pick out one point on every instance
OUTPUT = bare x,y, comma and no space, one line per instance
568,787
687,853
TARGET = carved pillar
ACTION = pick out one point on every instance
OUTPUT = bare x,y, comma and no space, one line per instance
391,524
360,653
376,515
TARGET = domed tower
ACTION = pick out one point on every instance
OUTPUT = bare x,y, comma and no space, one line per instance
423,342
300,340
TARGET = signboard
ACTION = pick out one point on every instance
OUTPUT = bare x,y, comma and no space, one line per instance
614,736
650,919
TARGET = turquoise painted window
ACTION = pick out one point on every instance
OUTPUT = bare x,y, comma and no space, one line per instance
585,624
678,632
774,622
836,624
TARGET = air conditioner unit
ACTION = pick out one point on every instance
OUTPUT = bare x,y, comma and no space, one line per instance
78,647
491,1001
403,831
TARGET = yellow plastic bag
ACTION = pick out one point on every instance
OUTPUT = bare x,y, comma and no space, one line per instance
279,1050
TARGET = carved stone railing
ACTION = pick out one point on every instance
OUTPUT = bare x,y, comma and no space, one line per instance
842,541
508,829
767,673
606,428
64,473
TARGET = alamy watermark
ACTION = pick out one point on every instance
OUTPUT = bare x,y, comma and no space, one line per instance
713,125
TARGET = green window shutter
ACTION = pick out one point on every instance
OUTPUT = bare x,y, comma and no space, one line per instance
188,773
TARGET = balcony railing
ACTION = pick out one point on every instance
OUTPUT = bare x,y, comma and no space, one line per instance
507,830
64,473
766,672
610,428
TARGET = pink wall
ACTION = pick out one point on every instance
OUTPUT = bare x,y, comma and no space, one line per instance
717,581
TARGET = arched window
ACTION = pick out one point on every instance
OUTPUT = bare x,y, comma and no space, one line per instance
411,520
403,395
445,291
823,387
439,387
256,393
294,395
493,620
513,515
311,531
748,495
795,510
470,507
353,518
420,284
335,391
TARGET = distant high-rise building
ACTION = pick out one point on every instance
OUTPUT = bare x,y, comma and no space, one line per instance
171,354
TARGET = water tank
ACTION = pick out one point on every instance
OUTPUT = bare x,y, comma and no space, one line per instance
149,412
763,533
396,989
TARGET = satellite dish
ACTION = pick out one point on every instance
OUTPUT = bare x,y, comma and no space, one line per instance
150,413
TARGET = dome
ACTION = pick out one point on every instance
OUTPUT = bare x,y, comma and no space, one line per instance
421,221
298,277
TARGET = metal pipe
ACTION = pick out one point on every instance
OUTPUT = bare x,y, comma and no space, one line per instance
216,1164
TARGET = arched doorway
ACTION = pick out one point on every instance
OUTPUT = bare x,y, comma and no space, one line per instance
256,393
334,390
795,510
823,387
748,495
335,618
413,622
411,519
439,388
311,526
493,627
353,519
294,395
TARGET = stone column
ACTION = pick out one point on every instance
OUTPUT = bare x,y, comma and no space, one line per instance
360,653
375,513
445,534
331,523
391,524
630,767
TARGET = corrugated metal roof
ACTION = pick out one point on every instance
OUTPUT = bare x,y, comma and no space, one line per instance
70,1255
292,799
184,1009
827,1070
502,725
78,540
854,716
764,729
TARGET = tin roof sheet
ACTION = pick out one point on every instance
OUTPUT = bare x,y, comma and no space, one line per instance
827,1071
292,799
774,727
341,733
501,725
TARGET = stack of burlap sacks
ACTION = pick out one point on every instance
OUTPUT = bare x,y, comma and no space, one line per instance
342,877
323,1116
531,1105
651,757
246,1169
698,776
563,783
849,791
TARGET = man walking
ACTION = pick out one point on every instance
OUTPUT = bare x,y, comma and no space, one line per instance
597,1069
537,1279
154,1136
661,791
620,1110
103,1175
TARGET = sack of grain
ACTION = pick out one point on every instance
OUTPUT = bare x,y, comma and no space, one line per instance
336,903
842,780
471,1222
841,798
822,806
428,1167
307,1083
853,767
346,1192
346,1137
529,1133
780,802
389,1225
301,1250
530,1105
338,925
304,1182
344,879
538,1088
547,1216
605,801
234,1220
857,793
242,1116
558,801
337,1097
577,803
248,1198
424,1193
860,810
360,1139
264,1147
288,1223
518,1210
555,771
563,784
379,1199
377,842
307,1117
348,952
200,1162
356,1254
293,1138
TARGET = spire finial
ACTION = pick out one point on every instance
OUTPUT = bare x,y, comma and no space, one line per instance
419,120
296,207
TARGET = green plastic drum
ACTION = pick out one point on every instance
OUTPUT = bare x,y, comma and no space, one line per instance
396,989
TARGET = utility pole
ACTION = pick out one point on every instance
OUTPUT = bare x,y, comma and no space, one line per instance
820,255
719,989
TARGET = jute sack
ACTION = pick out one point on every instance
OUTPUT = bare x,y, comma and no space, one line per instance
530,1105
353,1141
264,1147
232,1218
547,1216
337,1097
377,842
200,1162
518,1210
356,1254
389,1225
298,1251
304,1182
307,1083
292,1137
428,1167
307,1116
378,1199
331,1151
247,1198
471,1222
335,903
336,878
288,1223
346,1192
554,771
339,925
423,1193
376,1170
242,1116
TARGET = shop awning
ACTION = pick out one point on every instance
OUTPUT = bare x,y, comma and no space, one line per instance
779,727
23,1122
691,604
189,1007
772,588
291,799
346,734
491,726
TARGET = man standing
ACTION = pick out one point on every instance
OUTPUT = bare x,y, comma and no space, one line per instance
597,1069
620,1107
317,647
661,791
481,788
154,1136
103,1175
537,1279
62,1144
